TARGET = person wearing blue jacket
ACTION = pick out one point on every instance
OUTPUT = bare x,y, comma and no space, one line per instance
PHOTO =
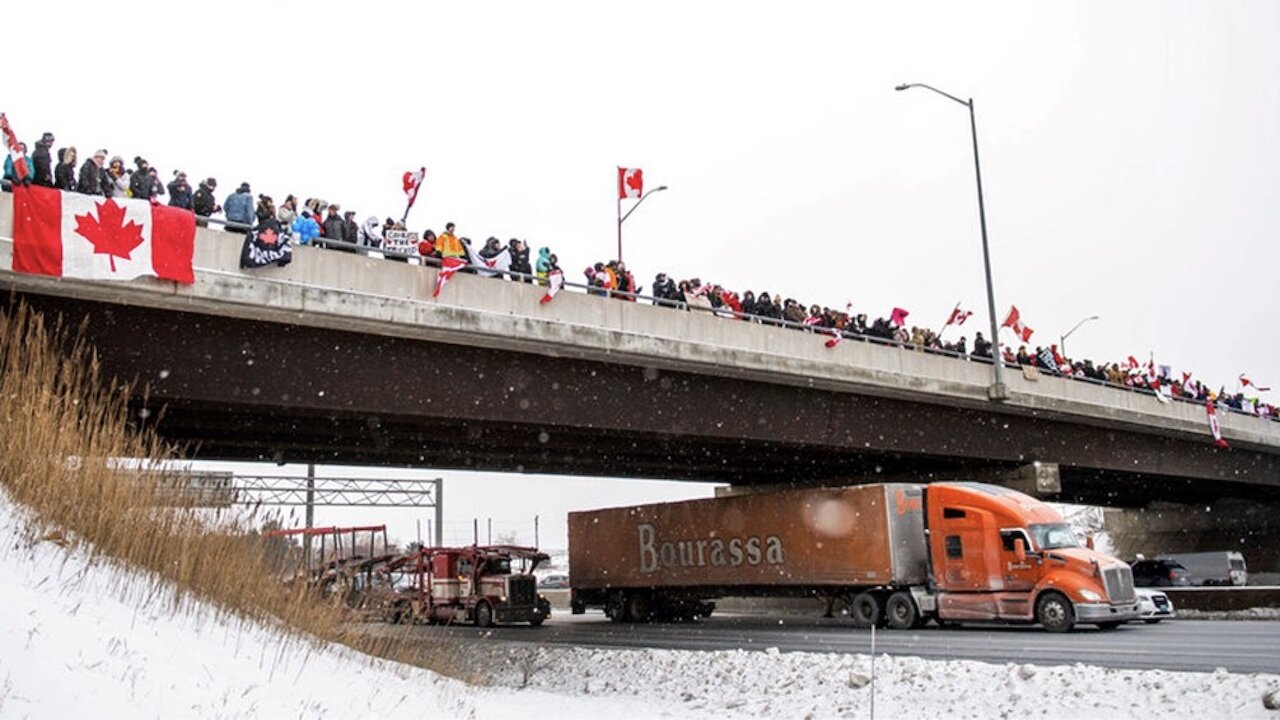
239,206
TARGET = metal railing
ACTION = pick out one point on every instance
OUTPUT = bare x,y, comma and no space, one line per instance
727,313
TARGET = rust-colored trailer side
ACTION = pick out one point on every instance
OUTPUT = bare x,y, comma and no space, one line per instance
751,543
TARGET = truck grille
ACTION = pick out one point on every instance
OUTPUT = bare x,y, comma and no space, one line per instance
522,590
1119,583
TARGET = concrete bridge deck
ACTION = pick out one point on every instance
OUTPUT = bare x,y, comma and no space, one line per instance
351,360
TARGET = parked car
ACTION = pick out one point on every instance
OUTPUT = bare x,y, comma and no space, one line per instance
1160,573
1153,605
554,582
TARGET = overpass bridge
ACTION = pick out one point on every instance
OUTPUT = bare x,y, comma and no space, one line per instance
342,358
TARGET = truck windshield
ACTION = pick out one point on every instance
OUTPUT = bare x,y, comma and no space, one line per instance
1049,536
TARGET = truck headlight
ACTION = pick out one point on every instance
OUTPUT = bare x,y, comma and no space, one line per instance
1090,595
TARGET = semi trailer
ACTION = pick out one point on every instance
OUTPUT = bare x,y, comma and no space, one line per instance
898,554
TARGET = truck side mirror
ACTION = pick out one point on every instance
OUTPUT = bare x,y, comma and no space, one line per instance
1020,549
1088,541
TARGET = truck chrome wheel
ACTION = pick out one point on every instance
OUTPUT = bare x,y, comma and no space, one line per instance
900,611
864,610
1055,613
484,615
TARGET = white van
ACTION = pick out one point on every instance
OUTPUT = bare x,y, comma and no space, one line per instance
1213,568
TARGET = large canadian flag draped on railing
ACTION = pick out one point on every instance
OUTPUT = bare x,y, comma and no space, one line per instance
67,234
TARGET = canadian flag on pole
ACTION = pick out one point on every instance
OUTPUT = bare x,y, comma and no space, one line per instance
11,143
958,316
1213,424
1014,320
1246,382
86,236
630,183
555,281
413,183
448,268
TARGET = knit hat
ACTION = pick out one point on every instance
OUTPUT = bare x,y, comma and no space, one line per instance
244,188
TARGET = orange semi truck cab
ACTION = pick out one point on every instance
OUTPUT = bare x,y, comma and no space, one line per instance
898,554
997,554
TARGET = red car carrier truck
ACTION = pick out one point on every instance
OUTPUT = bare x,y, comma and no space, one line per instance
897,554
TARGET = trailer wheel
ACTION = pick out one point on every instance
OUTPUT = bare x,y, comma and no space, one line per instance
901,612
1054,612
639,608
484,615
616,607
865,610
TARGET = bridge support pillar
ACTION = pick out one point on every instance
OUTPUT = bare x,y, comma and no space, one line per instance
1037,479
1249,527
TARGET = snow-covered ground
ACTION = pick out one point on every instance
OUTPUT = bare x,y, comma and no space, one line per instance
90,640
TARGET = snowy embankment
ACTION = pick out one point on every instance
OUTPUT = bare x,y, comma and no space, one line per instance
80,639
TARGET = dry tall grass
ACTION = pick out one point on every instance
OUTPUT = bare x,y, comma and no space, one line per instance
60,422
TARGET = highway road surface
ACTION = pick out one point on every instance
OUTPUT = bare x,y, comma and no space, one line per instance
1198,645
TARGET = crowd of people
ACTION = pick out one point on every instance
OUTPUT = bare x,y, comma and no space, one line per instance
323,224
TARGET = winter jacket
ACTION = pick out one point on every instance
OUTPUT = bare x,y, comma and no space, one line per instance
202,203
64,177
42,170
180,194
239,208
450,246
120,185
350,231
544,263
93,179
306,229
369,235
286,217
333,227
520,259
141,185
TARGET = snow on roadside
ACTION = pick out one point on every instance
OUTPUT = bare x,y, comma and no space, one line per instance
816,685
72,644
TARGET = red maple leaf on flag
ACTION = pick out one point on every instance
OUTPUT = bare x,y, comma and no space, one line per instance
635,181
108,233
267,236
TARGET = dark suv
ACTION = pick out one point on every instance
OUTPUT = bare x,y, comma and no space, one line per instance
1159,573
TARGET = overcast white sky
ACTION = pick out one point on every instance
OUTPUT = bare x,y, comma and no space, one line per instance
1130,151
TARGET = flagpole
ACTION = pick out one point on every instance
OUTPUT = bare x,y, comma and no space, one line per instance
948,322
619,226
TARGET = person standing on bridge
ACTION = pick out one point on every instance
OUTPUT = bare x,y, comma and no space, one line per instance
203,203
239,206
288,212
42,169
64,175
180,191
141,184
448,243
93,179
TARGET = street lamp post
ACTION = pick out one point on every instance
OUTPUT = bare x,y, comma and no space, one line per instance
1062,340
622,218
998,391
